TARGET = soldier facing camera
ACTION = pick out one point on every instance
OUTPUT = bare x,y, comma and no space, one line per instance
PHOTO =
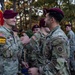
11,49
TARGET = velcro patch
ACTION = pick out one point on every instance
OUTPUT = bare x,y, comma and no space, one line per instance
2,40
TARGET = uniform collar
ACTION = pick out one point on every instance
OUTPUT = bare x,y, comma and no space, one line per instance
53,30
7,29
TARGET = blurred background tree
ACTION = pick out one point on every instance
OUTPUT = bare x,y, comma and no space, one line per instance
30,11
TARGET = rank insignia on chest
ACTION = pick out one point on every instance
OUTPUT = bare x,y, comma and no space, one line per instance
2,40
10,38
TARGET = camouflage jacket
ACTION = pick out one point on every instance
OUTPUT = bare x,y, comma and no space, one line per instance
35,50
71,38
57,51
10,50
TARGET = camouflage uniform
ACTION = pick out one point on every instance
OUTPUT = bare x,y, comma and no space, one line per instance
9,52
35,50
57,52
71,38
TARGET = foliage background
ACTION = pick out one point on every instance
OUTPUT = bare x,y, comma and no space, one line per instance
24,9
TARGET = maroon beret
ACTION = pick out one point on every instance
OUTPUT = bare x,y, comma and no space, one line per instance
42,23
57,13
70,25
58,10
9,14
35,26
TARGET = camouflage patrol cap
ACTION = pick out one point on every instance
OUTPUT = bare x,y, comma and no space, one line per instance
35,26
57,13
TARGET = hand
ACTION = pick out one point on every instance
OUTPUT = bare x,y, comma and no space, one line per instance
41,70
25,64
33,71
25,39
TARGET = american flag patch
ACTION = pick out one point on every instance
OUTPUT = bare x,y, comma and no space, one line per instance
2,35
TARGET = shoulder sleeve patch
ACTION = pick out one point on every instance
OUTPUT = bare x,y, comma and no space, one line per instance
59,48
2,38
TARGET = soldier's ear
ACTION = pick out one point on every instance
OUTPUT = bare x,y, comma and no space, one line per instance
52,19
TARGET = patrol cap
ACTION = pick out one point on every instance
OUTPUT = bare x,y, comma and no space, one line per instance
35,26
57,13
9,14
42,23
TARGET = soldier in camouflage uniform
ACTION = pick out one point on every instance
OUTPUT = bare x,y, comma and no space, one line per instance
10,45
35,28
57,48
35,48
71,38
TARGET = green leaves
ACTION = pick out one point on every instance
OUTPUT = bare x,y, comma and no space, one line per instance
65,5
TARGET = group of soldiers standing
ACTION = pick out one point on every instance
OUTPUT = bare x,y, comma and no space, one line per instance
47,52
